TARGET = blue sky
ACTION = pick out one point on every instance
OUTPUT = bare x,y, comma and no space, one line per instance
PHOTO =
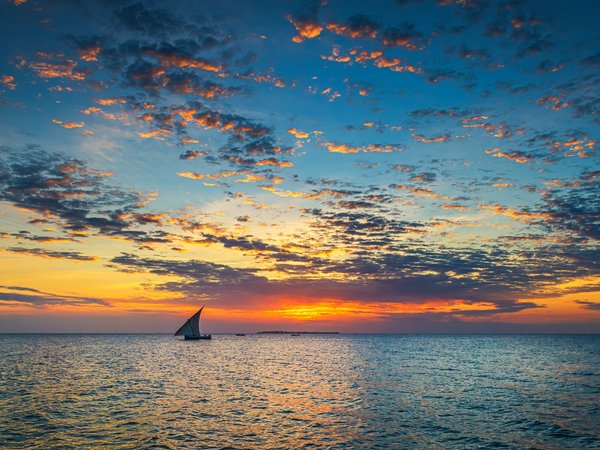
402,165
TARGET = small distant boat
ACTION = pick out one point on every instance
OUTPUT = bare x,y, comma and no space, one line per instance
191,328
240,334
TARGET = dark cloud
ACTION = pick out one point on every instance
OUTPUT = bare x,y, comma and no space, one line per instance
226,284
53,254
65,191
33,297
452,112
592,60
594,306
190,154
137,18
26,235
575,211
424,177
356,26
405,36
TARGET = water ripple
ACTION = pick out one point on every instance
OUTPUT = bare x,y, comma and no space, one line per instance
272,392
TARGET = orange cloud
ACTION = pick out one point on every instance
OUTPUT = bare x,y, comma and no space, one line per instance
374,148
499,131
69,124
96,110
65,69
374,57
401,41
420,192
90,54
426,140
274,162
454,207
557,103
579,147
521,216
386,62
299,134
307,29
156,134
182,62
215,176
110,101
277,82
352,32
8,81
187,140
516,156
280,193
251,178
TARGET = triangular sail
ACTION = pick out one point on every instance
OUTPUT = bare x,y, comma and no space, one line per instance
186,329
192,326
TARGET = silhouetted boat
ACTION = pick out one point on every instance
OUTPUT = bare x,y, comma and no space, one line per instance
240,334
191,328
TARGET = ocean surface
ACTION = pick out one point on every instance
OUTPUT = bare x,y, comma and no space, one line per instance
309,391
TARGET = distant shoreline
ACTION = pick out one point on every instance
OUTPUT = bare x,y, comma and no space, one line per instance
297,332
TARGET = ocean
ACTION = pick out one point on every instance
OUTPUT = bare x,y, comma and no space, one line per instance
309,391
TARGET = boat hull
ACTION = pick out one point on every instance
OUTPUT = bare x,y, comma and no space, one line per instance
195,338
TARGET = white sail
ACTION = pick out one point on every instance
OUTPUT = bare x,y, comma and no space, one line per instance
192,326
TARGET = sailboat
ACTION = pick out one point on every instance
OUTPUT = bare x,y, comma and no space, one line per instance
191,328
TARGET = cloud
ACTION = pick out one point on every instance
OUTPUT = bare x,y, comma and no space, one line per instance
354,204
356,26
136,17
451,112
208,176
405,36
67,193
517,156
431,140
306,22
168,58
575,211
59,69
76,256
420,192
298,134
376,58
520,215
191,154
69,124
111,101
8,81
274,162
556,103
454,207
90,53
26,235
224,284
594,306
36,298
424,177
369,148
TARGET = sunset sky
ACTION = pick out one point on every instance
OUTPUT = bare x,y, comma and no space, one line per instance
399,166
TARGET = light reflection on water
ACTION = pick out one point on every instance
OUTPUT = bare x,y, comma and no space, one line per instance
271,391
